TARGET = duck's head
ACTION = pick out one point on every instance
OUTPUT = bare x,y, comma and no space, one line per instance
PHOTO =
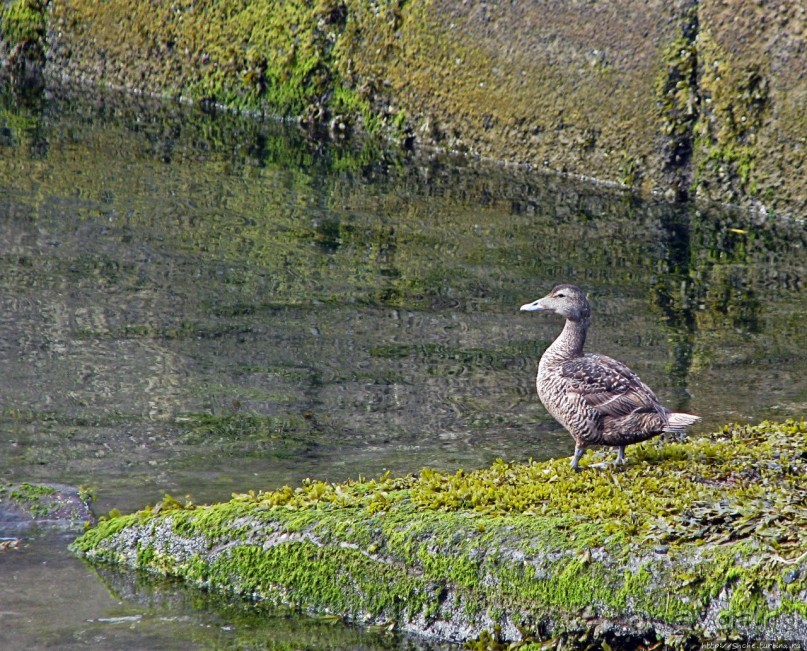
567,300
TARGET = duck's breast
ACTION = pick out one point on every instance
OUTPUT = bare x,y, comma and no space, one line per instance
565,405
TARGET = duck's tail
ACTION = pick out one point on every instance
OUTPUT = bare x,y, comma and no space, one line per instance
677,422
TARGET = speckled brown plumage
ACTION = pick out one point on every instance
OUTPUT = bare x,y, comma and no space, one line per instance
599,400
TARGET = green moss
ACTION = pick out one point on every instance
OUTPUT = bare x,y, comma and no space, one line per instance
337,580
630,171
678,99
677,89
727,511
569,585
736,102
35,498
654,498
26,492
290,58
105,528
23,21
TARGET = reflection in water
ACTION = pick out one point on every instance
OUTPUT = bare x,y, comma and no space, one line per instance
97,608
680,314
240,626
205,304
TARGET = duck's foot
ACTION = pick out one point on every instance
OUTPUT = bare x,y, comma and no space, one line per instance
601,465
620,459
578,452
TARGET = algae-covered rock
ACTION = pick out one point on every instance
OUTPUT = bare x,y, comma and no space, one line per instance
26,504
692,540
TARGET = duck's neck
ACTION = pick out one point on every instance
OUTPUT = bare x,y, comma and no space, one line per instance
569,343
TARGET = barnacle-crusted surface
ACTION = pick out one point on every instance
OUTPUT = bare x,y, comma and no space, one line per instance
705,537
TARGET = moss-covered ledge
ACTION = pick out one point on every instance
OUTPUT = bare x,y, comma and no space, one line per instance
694,540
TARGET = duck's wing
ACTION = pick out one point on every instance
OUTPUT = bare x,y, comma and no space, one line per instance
608,386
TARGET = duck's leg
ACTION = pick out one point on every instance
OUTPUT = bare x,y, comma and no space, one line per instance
620,456
578,452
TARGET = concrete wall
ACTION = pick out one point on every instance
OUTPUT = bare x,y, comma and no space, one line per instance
683,98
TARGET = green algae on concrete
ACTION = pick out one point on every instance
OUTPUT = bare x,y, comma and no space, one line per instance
654,95
22,21
692,540
751,133
22,36
281,58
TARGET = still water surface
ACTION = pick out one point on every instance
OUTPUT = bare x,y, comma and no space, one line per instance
199,304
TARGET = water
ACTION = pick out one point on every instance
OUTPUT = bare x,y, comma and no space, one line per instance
199,304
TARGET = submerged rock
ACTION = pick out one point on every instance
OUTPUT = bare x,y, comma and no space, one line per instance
531,551
24,505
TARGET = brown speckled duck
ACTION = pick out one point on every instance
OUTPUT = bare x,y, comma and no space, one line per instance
598,399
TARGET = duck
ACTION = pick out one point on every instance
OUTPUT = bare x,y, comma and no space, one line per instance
596,398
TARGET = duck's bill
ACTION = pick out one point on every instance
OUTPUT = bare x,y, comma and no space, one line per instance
533,307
